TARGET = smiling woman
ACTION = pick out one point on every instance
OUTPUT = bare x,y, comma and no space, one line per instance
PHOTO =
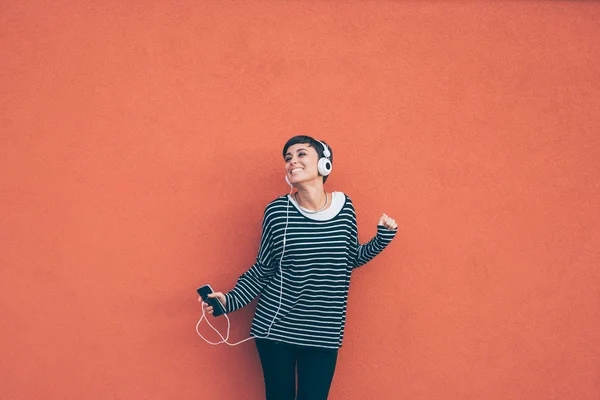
308,250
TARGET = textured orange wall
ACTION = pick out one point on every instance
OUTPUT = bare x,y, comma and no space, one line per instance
140,142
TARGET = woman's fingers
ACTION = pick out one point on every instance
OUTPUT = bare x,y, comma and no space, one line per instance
391,224
220,296
388,222
207,308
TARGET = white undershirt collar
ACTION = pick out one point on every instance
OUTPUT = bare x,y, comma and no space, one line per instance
337,203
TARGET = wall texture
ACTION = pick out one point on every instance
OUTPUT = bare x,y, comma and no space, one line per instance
140,142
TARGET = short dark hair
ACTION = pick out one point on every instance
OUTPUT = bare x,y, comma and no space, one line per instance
312,143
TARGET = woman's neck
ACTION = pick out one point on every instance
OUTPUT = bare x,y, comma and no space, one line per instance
311,197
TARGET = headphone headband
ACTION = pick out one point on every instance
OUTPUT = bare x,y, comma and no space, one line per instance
326,151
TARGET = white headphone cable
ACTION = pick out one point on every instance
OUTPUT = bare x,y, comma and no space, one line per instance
224,339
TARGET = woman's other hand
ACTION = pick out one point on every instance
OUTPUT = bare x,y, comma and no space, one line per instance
218,295
388,222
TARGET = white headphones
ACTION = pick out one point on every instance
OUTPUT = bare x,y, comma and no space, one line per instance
324,166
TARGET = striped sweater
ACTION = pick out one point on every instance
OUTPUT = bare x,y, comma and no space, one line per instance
314,277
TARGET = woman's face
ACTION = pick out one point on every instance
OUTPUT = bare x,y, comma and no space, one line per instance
301,163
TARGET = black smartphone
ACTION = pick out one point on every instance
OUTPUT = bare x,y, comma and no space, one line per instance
218,308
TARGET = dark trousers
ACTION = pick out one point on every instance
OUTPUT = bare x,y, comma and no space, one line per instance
279,362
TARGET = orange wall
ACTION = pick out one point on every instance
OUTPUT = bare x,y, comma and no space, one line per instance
140,142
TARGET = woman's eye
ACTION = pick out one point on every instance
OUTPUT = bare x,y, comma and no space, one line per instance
301,154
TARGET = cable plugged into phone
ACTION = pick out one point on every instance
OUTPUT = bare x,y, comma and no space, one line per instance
218,309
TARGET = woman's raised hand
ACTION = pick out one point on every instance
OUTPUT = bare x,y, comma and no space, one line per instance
388,222
218,295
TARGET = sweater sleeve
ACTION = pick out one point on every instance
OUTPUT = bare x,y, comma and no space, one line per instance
250,283
363,253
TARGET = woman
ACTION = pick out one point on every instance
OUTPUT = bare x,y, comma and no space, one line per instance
308,249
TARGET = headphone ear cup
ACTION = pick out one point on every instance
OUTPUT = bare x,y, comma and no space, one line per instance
324,166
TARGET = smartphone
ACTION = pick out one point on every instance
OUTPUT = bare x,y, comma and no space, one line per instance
218,308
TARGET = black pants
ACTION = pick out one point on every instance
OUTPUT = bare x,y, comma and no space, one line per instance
279,361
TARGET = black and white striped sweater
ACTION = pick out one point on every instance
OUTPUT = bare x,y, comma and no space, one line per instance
314,277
